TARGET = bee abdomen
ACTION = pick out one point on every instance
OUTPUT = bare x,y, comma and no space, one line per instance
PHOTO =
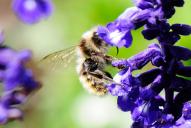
92,84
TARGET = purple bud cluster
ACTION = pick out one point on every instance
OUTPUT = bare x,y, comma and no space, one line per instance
141,94
32,11
17,82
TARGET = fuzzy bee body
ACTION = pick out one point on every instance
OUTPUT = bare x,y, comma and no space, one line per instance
91,61
92,48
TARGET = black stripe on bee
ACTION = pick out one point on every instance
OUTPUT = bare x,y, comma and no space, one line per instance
99,76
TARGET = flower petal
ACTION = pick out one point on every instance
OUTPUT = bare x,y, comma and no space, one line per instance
181,29
31,11
178,52
125,103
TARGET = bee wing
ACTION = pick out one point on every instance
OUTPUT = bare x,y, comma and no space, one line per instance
59,59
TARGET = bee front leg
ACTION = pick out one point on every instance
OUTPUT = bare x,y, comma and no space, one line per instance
109,59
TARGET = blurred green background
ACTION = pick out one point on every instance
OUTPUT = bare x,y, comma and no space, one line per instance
62,102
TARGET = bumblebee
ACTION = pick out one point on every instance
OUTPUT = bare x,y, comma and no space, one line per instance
91,62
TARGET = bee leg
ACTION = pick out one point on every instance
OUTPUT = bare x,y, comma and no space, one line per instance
108,74
101,75
117,48
109,59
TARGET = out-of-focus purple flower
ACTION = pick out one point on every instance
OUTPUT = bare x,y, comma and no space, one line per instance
8,110
32,11
15,74
18,82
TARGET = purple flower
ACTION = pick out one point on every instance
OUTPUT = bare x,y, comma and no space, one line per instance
118,33
14,73
143,4
8,111
181,29
151,111
116,90
153,53
178,52
186,112
18,82
164,32
153,30
141,94
185,120
125,103
32,11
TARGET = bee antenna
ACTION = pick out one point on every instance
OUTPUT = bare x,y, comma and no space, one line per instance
117,51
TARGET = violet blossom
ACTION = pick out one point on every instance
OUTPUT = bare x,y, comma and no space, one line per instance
32,11
141,94
17,80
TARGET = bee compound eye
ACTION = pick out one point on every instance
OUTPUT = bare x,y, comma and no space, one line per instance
90,65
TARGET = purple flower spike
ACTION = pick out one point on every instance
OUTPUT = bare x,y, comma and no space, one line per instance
32,11
141,94
15,73
7,113
18,82
3,114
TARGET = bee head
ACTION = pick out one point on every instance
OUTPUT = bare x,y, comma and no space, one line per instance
90,65
96,40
